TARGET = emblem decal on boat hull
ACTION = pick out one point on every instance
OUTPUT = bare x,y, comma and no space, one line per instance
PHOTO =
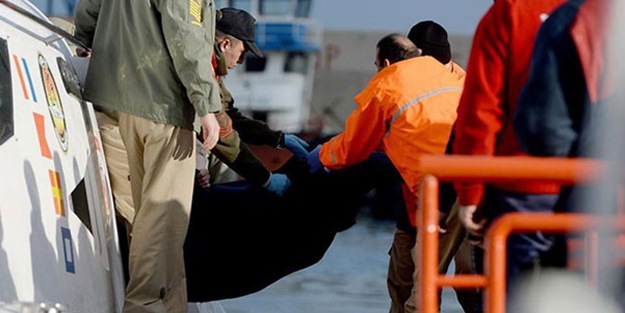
55,107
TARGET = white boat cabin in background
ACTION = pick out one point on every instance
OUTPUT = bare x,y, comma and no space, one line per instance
278,88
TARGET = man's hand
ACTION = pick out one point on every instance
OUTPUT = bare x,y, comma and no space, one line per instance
466,214
210,130
83,53
442,222
278,184
296,145
314,164
203,178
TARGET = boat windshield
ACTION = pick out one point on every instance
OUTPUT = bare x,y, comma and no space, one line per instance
289,8
245,5
296,62
275,7
303,8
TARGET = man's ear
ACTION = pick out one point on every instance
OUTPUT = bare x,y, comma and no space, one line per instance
225,44
386,63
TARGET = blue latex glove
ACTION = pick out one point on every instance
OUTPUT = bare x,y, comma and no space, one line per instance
312,158
278,183
296,145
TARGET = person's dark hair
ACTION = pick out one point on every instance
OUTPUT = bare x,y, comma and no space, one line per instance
396,47
219,35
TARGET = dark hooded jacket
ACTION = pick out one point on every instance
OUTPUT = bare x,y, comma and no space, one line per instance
238,130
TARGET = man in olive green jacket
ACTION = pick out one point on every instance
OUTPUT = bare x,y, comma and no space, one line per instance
235,31
151,63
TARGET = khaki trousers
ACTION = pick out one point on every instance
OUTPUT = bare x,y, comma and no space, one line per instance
402,272
117,166
161,160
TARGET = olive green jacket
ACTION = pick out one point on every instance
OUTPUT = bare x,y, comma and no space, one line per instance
237,130
150,58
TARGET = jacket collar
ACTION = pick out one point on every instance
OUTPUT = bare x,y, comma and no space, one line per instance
219,62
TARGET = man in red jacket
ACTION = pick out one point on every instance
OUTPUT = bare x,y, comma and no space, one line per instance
497,69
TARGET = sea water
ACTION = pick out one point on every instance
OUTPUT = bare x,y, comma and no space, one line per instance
350,278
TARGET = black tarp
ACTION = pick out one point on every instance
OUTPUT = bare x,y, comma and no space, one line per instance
242,238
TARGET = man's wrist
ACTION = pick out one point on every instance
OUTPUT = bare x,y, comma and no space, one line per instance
281,141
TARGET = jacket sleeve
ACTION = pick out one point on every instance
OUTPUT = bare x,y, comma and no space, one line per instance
551,105
188,28
236,155
480,112
364,131
253,131
246,164
86,18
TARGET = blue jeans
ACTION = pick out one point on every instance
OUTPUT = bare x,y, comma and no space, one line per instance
524,250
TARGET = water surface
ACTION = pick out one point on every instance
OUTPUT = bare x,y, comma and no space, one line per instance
350,278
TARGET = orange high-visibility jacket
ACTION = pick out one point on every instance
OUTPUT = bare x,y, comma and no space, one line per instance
408,109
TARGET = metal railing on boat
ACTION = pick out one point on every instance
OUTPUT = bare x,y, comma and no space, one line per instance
497,169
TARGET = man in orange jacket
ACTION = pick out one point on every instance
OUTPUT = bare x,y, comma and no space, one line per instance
498,67
407,110
432,39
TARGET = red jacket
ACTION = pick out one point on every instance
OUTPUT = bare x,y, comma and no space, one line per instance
497,70
590,33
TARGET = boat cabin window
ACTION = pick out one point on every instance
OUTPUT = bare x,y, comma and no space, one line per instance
245,5
296,62
255,64
6,96
303,8
275,7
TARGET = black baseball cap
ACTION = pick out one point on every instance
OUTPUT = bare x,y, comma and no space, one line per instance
240,25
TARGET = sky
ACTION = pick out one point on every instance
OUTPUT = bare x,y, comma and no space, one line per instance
457,16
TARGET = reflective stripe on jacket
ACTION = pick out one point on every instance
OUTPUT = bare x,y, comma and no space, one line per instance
408,109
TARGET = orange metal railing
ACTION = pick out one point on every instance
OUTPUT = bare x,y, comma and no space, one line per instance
519,222
495,169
